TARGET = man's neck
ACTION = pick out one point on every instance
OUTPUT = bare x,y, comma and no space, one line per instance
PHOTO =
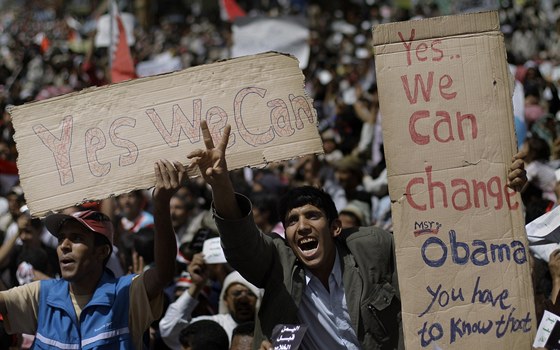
86,287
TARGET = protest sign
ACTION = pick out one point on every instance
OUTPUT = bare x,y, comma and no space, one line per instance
286,34
213,252
103,141
448,129
548,332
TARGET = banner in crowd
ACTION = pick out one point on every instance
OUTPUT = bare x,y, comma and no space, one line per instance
462,254
103,141
288,34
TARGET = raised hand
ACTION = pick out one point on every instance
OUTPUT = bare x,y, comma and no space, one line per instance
517,176
212,161
169,178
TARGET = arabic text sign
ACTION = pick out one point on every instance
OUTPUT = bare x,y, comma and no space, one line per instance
103,141
462,254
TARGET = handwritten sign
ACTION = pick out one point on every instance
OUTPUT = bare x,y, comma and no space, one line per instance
213,252
462,254
548,327
103,141
287,336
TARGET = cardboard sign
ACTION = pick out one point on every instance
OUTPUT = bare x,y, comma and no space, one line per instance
103,141
448,130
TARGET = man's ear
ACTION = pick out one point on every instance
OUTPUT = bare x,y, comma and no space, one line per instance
336,227
104,251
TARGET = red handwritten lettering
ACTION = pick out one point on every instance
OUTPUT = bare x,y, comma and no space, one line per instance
253,139
442,126
132,155
408,46
280,117
60,148
418,80
180,123
95,140
463,193
300,104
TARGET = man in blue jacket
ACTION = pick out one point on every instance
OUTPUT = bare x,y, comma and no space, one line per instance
89,308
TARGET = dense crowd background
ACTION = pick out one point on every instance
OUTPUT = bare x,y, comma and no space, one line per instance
46,49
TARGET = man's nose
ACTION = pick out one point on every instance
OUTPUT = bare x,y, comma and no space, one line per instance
65,244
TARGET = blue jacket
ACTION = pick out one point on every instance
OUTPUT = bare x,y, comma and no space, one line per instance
103,323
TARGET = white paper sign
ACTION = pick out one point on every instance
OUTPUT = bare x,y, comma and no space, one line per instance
548,321
213,252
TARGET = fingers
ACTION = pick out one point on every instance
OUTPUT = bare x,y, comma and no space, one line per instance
517,176
169,175
225,139
208,142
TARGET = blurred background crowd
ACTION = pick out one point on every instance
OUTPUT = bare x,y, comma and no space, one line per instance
49,48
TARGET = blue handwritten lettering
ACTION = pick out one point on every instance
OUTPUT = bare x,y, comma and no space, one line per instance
442,297
486,296
461,252
460,328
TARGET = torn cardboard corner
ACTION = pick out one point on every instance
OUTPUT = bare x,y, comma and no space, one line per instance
103,141
448,131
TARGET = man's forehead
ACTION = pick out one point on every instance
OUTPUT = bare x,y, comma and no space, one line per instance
303,209
237,285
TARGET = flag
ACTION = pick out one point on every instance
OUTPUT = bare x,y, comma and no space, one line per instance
230,10
122,67
286,34
43,42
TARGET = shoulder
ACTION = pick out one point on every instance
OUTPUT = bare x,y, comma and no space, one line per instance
369,235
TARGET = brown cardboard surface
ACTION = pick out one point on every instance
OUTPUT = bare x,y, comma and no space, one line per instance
462,252
99,142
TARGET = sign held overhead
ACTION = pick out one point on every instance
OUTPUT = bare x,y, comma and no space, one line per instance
100,142
448,129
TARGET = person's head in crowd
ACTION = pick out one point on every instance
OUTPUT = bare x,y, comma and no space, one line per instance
182,284
204,335
85,243
30,230
348,172
188,249
180,211
269,182
131,204
15,201
537,149
143,242
239,297
265,212
355,214
242,336
311,222
330,141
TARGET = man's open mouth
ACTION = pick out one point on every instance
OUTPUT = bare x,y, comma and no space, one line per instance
308,244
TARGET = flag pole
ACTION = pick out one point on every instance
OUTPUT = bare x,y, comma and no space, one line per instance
112,5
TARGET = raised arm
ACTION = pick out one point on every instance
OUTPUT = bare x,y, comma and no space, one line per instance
213,167
169,177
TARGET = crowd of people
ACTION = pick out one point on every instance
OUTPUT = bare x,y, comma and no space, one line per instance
46,51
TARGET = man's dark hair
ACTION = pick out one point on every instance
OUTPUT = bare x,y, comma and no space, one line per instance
204,335
301,196
144,243
245,328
